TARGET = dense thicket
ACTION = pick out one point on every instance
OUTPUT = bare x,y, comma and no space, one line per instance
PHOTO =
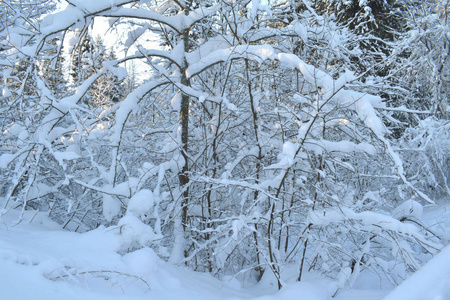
263,135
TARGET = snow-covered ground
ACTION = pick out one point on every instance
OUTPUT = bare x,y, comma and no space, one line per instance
40,261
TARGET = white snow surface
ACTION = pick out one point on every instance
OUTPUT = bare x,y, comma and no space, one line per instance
408,208
141,203
40,261
431,282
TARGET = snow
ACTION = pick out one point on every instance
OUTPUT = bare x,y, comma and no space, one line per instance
432,281
13,130
363,104
125,261
142,262
368,218
215,43
127,106
176,102
68,155
111,207
260,53
198,14
341,146
409,208
174,21
141,203
133,35
6,92
134,233
301,30
256,6
5,159
57,264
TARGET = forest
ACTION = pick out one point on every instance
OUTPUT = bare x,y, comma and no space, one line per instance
253,142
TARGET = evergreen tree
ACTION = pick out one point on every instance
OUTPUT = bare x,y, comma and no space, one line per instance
88,59
82,60
51,67
108,89
381,17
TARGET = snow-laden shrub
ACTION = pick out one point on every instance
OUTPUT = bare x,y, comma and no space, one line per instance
253,143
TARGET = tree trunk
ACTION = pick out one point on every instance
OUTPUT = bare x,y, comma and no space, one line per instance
183,175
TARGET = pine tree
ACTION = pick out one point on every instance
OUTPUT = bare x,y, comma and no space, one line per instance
82,63
88,59
108,89
51,67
